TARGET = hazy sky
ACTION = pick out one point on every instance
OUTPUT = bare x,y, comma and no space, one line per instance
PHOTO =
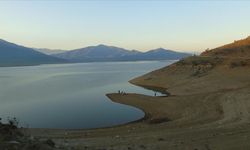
139,24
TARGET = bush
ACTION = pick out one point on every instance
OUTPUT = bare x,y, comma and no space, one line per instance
238,64
196,61
13,122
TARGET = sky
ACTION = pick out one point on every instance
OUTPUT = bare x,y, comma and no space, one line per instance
182,25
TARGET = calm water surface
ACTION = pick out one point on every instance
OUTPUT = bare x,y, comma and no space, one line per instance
71,95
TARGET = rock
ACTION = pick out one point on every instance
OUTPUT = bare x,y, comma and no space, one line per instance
160,139
50,143
142,146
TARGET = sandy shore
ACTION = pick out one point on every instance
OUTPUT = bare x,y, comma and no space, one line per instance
208,109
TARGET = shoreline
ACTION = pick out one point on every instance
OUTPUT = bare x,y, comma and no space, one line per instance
70,62
191,131
144,118
197,114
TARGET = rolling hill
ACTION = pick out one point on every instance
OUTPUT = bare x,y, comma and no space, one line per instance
161,54
239,48
15,55
199,73
205,92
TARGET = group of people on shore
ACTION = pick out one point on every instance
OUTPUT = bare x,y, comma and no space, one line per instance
122,92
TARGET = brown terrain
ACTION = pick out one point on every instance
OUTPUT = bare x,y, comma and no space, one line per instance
207,108
238,48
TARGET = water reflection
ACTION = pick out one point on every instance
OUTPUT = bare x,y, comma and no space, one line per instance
71,95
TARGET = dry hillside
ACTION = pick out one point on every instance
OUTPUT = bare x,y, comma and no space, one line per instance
240,48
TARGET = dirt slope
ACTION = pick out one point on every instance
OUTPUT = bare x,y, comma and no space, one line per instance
199,75
239,48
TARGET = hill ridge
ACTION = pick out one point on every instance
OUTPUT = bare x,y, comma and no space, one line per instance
239,48
103,52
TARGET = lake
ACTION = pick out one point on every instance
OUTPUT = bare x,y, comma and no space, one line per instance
71,96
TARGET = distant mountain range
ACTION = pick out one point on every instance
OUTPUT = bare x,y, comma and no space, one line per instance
15,55
111,53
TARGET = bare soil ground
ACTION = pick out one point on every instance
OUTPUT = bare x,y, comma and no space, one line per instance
208,109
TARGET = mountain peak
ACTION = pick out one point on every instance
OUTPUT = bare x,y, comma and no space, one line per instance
160,49
102,45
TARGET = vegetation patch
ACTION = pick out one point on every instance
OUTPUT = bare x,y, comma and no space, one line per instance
239,63
11,138
201,61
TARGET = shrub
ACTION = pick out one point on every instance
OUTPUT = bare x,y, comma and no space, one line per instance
13,122
238,64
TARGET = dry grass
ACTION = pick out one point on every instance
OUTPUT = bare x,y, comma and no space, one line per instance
240,48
